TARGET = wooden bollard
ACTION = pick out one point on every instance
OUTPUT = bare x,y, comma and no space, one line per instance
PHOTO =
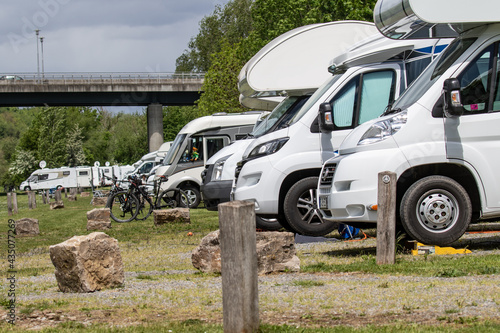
386,218
31,200
240,299
58,196
47,194
9,203
65,192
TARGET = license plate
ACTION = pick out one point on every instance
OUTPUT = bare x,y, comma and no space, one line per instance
323,202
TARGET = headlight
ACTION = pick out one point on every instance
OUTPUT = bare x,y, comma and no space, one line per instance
383,129
267,148
218,167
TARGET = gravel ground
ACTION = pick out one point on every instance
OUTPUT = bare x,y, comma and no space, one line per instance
301,299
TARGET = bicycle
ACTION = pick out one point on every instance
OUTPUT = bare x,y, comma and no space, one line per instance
162,199
136,203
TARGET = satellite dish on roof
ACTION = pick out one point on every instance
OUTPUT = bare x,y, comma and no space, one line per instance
42,164
107,163
97,164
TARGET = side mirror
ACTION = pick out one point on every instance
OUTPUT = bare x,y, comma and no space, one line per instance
452,102
325,118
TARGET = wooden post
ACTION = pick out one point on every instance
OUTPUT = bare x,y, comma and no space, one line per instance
14,202
47,193
386,218
31,200
65,192
240,299
9,203
44,198
58,196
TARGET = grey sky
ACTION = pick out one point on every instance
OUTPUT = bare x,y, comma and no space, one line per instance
98,35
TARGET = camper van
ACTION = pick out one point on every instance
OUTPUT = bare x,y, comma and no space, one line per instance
267,74
147,163
196,142
279,171
45,179
440,137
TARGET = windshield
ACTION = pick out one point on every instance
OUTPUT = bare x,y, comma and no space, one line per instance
314,98
280,116
174,149
432,73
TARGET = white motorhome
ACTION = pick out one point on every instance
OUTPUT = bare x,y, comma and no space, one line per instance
440,137
280,170
196,142
45,179
147,162
268,75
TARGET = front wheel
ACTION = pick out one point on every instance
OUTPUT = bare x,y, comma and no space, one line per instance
301,211
193,195
436,210
123,206
145,208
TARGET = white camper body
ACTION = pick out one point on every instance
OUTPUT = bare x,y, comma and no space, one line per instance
196,142
441,138
279,170
45,179
293,65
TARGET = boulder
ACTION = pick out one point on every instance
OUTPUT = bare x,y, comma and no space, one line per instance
85,194
171,216
72,197
275,253
99,219
99,201
56,205
27,227
87,263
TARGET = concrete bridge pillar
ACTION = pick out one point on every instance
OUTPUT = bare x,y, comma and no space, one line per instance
155,126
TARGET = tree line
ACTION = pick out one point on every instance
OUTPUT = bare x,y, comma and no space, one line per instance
226,40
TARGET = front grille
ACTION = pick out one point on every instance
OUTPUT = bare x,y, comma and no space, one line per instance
327,174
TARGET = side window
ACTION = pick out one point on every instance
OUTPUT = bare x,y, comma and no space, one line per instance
414,68
377,93
474,83
344,103
214,145
43,176
193,151
353,106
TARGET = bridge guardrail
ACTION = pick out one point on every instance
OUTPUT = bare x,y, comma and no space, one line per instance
95,78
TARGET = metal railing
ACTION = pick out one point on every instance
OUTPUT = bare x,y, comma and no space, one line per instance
99,78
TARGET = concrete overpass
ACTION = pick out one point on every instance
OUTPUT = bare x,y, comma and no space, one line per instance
153,90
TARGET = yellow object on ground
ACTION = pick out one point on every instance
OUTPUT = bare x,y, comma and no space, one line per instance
420,248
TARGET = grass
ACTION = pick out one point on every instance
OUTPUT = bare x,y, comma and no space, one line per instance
155,256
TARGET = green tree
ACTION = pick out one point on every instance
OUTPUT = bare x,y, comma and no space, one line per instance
230,23
220,87
74,147
52,137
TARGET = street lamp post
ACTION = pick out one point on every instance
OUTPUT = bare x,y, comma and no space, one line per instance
37,32
43,71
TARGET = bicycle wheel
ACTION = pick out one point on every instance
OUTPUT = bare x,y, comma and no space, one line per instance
123,206
173,198
145,208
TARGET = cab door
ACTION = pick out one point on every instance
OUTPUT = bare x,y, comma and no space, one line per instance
474,138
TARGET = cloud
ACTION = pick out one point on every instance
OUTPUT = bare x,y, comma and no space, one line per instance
97,35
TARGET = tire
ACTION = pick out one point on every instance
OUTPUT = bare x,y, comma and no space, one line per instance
145,208
301,211
268,224
193,195
27,188
172,198
442,199
123,206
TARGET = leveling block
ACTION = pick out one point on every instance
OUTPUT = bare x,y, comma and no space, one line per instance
419,248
